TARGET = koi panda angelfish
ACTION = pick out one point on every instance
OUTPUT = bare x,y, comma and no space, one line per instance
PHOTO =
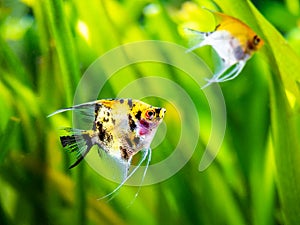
121,128
234,42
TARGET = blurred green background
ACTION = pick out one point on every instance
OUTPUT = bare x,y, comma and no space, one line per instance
45,47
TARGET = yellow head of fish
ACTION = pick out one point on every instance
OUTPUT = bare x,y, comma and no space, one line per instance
140,114
248,40
146,116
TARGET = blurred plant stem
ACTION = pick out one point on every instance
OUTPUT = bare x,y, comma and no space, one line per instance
64,45
9,60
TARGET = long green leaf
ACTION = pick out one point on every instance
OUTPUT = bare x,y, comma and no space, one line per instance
64,44
284,64
6,137
9,60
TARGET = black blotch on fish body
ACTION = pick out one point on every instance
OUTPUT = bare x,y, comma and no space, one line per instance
121,101
129,142
97,108
101,131
138,115
130,103
103,134
98,125
157,111
136,140
124,153
131,122
109,137
239,53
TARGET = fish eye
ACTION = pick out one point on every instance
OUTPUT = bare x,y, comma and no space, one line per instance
149,114
256,40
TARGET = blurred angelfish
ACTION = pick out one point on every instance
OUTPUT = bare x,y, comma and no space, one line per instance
121,128
233,41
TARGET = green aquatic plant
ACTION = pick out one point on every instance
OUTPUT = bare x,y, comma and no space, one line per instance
45,47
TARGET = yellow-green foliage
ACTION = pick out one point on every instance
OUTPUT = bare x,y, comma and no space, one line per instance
45,47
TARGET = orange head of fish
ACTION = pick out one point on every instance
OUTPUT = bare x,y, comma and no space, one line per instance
249,41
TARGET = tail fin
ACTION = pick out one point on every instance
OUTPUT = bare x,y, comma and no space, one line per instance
78,141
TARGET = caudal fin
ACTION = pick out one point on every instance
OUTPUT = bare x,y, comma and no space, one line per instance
78,141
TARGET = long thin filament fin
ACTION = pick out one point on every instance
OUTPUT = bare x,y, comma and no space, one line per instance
222,76
143,177
85,109
124,181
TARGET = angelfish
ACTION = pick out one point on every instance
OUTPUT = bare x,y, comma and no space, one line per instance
121,128
235,43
